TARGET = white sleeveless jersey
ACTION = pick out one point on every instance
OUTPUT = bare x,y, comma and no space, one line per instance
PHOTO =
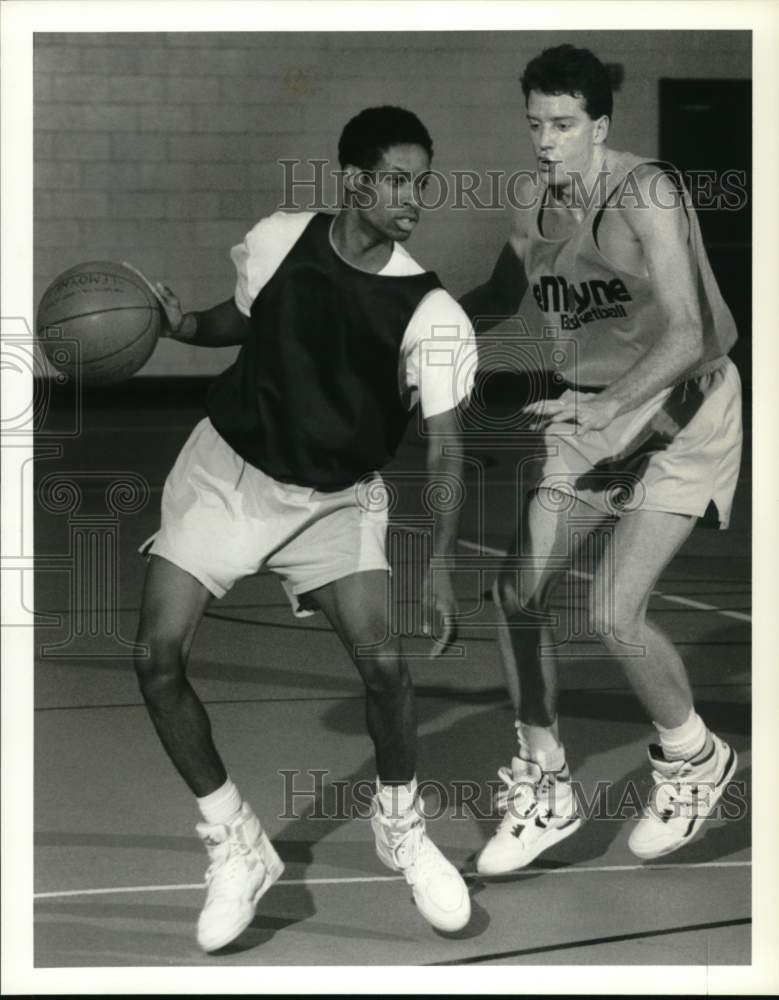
608,318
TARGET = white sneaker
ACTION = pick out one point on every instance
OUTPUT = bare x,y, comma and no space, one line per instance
683,796
438,888
243,867
540,810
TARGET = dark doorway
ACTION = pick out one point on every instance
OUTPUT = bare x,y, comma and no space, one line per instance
706,131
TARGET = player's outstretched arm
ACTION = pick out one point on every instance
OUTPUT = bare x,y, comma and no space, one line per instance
221,326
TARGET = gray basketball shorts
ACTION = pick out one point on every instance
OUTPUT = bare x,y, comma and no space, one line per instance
678,452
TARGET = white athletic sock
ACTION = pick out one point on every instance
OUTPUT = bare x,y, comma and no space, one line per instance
221,806
683,742
541,744
397,800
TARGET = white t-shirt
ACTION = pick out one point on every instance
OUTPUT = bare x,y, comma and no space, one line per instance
438,352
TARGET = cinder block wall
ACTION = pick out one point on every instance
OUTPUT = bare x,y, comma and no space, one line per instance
163,149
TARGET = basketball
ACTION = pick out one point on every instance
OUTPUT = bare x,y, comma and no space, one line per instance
98,322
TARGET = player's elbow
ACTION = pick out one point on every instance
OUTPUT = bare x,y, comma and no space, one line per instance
685,330
693,343
445,450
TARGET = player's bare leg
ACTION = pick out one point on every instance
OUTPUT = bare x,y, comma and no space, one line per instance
522,599
642,545
243,862
171,610
358,608
537,801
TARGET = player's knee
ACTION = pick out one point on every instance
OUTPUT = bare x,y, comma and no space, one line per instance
385,674
158,663
615,624
513,595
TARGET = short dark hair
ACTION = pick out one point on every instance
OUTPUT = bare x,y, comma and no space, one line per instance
370,133
568,70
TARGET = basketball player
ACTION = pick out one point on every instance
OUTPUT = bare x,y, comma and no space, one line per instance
645,439
332,315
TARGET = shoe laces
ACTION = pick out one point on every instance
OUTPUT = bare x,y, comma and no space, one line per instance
227,864
417,856
519,797
412,850
671,794
405,839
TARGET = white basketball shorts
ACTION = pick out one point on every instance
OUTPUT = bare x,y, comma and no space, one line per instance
224,519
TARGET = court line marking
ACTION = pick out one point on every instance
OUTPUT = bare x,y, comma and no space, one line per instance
590,942
498,692
350,880
700,605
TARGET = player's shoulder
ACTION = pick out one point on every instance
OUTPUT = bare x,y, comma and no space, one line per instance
653,198
401,264
650,183
280,226
439,308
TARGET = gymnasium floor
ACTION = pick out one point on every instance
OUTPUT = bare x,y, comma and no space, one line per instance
118,868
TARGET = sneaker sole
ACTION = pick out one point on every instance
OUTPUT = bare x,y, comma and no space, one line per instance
274,869
554,837
697,823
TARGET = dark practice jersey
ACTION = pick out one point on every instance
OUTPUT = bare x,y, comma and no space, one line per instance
313,396
607,317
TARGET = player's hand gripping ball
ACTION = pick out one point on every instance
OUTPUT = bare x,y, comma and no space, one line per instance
98,322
